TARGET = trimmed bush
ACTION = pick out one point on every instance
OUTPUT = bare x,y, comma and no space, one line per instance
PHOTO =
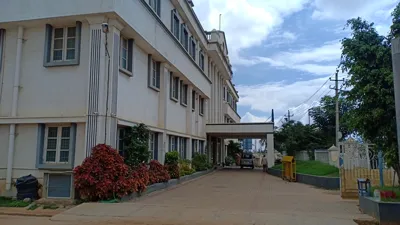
140,178
158,173
103,175
171,162
171,158
200,162
185,167
173,171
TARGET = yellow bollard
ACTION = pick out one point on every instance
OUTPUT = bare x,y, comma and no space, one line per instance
288,168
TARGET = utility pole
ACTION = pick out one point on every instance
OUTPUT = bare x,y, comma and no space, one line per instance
309,117
336,88
288,116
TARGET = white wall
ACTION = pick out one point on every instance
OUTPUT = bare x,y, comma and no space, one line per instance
44,92
18,10
26,149
133,12
136,101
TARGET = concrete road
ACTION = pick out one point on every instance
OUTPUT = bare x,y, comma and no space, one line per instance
230,196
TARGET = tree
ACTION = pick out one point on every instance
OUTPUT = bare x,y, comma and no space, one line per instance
366,57
233,149
324,117
137,142
294,136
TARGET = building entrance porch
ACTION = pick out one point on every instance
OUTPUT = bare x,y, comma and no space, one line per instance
218,133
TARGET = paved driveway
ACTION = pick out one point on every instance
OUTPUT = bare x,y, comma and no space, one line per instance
224,197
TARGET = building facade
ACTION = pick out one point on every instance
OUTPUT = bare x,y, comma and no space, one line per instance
77,73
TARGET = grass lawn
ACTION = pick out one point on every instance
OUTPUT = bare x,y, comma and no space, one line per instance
8,202
314,168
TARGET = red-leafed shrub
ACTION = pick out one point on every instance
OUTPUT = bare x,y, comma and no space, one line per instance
173,171
158,173
140,178
103,175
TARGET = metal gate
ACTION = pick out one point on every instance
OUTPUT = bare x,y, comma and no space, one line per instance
360,161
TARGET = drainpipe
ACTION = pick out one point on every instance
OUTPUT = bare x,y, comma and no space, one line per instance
11,141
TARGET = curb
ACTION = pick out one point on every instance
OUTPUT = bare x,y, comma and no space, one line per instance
167,185
327,183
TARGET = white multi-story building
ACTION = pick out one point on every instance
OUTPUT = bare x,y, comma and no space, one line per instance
76,73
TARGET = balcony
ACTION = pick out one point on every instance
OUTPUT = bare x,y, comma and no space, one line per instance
228,111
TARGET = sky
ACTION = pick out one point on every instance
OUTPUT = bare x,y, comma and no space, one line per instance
283,51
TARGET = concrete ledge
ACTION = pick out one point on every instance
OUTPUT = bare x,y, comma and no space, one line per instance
384,212
161,186
329,183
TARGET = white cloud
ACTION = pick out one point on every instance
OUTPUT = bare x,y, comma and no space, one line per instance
250,118
246,22
346,9
283,96
321,60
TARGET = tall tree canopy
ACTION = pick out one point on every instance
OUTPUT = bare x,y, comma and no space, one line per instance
324,117
294,136
366,58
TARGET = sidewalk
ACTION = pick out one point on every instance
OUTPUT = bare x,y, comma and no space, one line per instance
25,212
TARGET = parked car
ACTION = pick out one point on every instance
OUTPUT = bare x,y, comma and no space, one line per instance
247,160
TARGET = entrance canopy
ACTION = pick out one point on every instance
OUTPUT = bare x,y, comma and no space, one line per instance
240,130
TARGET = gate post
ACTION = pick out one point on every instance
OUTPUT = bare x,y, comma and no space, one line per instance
380,164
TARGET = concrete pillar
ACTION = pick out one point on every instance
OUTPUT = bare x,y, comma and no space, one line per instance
396,81
101,125
189,113
270,150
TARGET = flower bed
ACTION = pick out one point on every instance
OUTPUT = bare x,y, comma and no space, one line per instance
160,186
384,212
104,176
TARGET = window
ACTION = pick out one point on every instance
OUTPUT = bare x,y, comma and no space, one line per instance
58,185
57,144
194,147
62,45
126,56
192,50
201,106
225,93
174,87
173,143
201,60
152,144
201,147
175,24
121,141
185,37
184,90
182,148
156,6
193,100
2,35
154,73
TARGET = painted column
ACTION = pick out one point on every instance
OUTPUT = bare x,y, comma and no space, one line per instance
189,113
164,115
101,125
270,150
111,130
215,95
